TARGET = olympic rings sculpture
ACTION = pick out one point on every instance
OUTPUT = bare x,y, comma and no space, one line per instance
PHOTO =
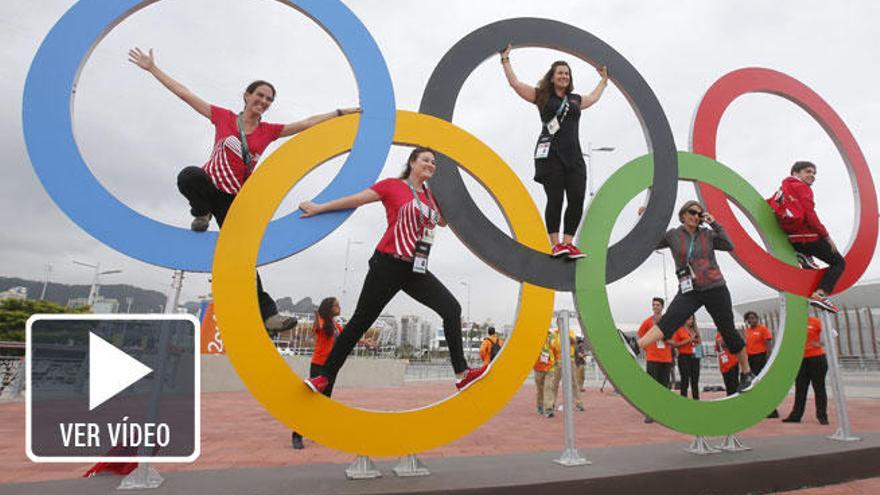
48,132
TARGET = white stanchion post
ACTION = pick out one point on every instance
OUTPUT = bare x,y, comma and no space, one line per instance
146,476
571,456
362,469
843,432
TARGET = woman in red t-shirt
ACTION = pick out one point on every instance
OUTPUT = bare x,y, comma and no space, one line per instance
399,264
211,188
326,329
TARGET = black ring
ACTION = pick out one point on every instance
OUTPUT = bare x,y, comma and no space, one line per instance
480,235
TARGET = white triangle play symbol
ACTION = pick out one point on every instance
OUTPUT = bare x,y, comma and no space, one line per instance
110,370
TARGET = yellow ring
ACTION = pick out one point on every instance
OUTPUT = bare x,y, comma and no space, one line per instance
264,371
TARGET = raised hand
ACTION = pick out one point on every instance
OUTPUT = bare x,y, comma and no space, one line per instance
145,61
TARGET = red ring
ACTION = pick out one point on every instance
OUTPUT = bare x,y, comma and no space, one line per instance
750,255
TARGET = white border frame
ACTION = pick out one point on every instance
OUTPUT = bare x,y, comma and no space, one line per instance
197,419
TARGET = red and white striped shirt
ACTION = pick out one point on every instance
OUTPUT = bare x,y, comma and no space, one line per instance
406,218
226,167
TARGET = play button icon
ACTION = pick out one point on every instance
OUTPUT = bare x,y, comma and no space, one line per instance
112,388
110,371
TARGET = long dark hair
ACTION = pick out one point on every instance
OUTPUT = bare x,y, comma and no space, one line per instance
325,313
412,158
545,85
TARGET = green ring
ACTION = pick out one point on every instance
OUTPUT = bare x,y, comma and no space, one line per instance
706,418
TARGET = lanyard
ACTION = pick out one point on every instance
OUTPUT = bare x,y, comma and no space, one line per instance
432,215
687,258
245,151
562,110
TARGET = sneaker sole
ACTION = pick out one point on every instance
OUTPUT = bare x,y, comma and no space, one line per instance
576,256
312,387
558,254
744,390
826,307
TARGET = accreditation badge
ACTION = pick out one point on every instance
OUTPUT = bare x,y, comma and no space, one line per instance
685,279
542,150
422,250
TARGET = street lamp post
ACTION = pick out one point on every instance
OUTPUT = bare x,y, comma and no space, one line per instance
345,273
96,282
467,332
46,281
589,156
665,283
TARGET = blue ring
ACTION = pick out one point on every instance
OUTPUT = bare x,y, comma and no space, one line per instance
48,132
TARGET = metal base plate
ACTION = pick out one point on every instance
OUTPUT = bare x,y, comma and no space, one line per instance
362,469
143,477
410,465
701,447
571,457
842,436
732,444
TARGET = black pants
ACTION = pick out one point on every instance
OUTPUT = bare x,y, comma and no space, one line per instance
204,198
387,277
689,369
822,250
659,372
757,363
731,380
812,371
717,303
564,183
315,370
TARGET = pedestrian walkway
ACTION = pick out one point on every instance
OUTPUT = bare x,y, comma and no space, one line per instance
238,433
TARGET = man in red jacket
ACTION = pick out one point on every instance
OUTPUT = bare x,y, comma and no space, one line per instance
807,234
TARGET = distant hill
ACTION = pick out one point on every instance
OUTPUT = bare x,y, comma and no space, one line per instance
142,300
305,305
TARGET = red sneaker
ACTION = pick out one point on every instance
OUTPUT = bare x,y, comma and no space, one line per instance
473,374
318,384
560,250
574,253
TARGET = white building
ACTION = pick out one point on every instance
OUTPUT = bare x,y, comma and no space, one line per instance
17,293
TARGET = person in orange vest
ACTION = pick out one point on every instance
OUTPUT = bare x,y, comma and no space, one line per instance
684,340
813,369
727,365
491,346
658,355
545,374
758,339
326,329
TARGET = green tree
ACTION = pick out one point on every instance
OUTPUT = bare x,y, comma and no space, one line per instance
14,314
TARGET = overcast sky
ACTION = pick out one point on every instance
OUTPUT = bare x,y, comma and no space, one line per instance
135,135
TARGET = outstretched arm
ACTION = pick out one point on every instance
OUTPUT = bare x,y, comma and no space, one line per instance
301,125
146,62
311,209
593,97
525,91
